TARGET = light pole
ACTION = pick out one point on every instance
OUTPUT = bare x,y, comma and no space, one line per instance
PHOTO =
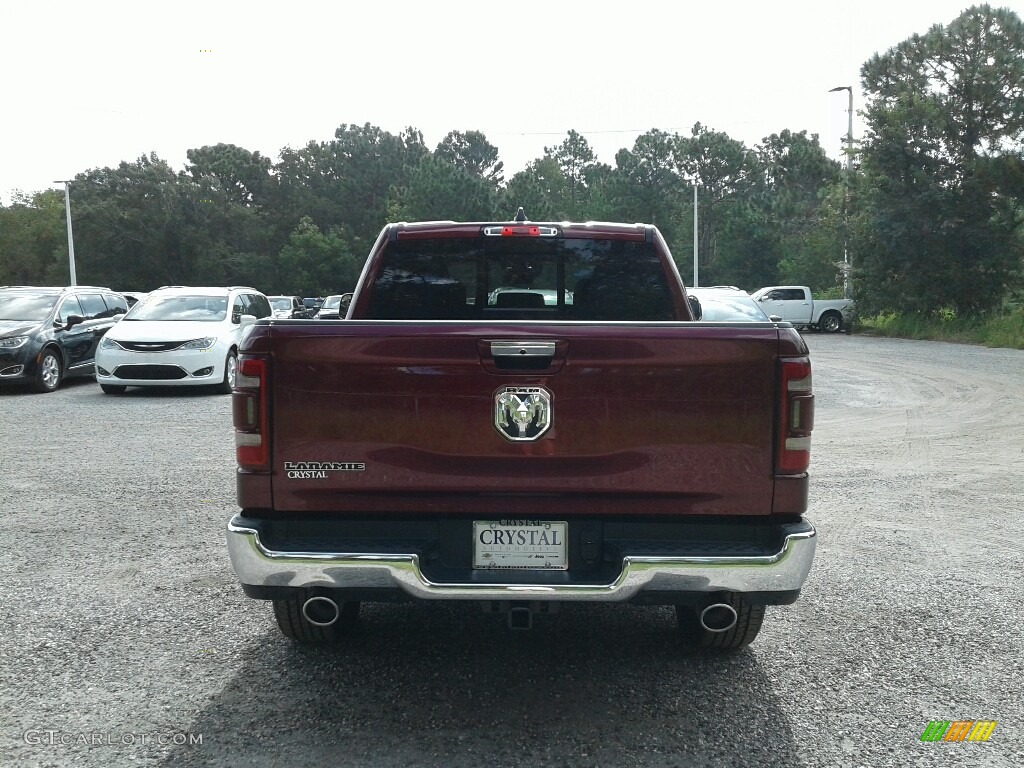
71,238
847,290
695,282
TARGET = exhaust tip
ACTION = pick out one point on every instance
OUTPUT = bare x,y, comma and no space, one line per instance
321,611
718,617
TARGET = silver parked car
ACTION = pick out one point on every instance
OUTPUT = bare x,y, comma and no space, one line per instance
726,304
332,308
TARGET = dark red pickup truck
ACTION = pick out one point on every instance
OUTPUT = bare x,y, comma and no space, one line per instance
522,414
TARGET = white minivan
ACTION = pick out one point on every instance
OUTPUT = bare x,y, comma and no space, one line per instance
179,336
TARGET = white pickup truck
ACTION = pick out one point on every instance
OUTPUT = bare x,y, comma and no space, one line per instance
793,303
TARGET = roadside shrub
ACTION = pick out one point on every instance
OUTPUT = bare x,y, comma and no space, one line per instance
832,292
1004,329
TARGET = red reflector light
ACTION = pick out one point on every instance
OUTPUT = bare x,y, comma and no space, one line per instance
521,230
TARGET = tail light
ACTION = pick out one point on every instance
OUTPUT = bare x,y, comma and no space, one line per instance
249,413
796,416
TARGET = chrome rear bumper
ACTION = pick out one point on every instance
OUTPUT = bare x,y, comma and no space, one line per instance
258,566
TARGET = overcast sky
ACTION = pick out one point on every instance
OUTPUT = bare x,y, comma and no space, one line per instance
90,83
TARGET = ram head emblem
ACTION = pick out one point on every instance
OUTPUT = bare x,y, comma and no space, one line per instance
522,413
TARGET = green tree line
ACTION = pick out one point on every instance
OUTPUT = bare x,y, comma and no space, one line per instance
931,215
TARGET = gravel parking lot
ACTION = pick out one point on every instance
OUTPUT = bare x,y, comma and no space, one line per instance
126,641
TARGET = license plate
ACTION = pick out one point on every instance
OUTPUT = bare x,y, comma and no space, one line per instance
520,544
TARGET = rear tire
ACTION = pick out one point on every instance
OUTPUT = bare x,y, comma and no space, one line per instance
830,322
748,623
113,389
294,626
49,372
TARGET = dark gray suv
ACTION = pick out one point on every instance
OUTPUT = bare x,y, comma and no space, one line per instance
48,334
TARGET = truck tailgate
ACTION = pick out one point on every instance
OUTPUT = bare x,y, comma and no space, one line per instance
661,418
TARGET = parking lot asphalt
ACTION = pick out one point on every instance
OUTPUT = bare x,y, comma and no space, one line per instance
125,639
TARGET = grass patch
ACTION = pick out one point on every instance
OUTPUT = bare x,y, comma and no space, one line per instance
1003,330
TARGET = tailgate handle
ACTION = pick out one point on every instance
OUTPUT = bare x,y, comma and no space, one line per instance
522,349
522,355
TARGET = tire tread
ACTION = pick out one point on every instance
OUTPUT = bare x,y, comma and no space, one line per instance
824,320
37,383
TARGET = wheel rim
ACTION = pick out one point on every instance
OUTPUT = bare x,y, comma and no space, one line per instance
50,371
232,370
831,323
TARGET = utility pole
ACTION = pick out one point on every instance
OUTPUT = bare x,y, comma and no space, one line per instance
71,238
847,265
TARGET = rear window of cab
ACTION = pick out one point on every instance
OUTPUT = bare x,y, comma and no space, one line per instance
520,278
